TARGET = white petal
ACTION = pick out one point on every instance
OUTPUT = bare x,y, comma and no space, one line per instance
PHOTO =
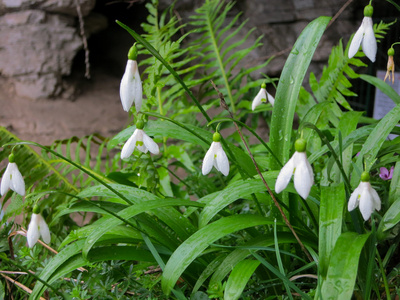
369,42
375,197
130,145
5,181
285,174
44,230
150,144
356,41
32,234
366,204
138,90
127,86
354,199
271,99
139,141
208,160
303,180
17,183
262,94
221,160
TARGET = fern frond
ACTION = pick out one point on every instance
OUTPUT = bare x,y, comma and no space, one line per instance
218,43
161,30
84,150
381,29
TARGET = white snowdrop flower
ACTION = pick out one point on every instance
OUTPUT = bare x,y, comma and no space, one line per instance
216,157
12,178
366,197
141,141
303,173
130,89
365,36
37,227
261,97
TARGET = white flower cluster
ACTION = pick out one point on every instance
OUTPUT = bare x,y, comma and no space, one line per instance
12,179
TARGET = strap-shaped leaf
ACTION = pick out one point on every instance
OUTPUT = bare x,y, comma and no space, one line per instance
289,87
343,266
239,277
333,199
191,248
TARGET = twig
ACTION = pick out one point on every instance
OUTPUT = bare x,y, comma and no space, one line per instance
20,285
339,12
84,39
303,276
225,106
152,271
13,272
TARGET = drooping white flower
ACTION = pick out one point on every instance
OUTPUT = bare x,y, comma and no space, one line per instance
261,97
130,89
12,178
366,197
37,227
141,141
303,173
365,36
216,157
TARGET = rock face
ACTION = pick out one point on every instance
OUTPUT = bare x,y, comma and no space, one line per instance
38,41
40,38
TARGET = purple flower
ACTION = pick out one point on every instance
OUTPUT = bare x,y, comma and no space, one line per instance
385,174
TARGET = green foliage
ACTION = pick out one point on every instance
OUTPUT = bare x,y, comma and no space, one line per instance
162,32
218,43
158,229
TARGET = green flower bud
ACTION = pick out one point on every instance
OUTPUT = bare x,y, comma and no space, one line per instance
132,54
216,137
36,210
11,158
300,145
391,51
263,86
140,124
368,11
365,176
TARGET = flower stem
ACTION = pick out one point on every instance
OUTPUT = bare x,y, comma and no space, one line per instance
223,104
385,282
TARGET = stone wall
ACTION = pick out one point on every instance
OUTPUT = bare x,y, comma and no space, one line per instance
38,42
40,38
